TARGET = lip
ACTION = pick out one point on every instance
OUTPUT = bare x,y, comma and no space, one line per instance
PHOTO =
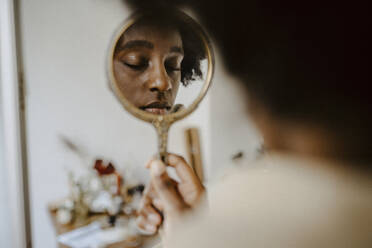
159,108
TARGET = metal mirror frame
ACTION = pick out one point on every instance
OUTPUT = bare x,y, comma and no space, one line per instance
160,122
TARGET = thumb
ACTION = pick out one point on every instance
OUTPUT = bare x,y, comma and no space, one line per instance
166,189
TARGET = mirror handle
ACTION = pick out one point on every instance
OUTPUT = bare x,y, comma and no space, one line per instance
162,128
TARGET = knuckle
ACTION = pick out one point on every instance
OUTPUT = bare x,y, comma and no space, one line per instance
148,210
142,212
177,157
180,158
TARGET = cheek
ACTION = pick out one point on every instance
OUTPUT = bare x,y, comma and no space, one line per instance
176,84
125,78
176,79
130,83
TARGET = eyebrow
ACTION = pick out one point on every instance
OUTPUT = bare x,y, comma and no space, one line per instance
137,43
146,44
176,49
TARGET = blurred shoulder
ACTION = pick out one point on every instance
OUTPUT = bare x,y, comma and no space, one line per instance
286,202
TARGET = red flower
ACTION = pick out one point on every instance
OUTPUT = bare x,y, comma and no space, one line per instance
103,169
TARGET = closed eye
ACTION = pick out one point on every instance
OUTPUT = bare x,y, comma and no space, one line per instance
137,67
173,68
173,65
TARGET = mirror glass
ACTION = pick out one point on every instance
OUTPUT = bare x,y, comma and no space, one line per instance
160,64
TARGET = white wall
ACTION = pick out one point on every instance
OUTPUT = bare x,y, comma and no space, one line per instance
12,214
5,234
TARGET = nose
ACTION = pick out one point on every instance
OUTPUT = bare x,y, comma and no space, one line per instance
159,79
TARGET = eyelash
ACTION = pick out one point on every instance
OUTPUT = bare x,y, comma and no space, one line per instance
142,66
173,68
138,67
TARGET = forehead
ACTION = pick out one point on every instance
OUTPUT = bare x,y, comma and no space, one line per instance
159,35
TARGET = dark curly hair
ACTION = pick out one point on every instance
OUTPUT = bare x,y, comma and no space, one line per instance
193,46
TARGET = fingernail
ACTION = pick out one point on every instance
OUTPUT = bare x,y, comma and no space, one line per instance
150,228
157,203
157,168
153,217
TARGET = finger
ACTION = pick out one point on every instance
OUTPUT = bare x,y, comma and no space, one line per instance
144,226
146,199
152,192
151,198
183,170
158,204
166,188
150,205
146,196
152,216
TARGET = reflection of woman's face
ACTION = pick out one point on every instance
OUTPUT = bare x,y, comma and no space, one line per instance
147,66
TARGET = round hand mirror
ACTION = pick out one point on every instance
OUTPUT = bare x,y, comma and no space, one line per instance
160,68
